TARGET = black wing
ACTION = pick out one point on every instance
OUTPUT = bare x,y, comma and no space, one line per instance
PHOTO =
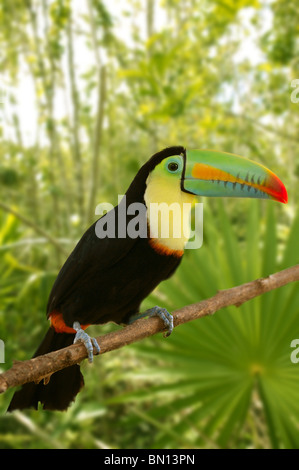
92,255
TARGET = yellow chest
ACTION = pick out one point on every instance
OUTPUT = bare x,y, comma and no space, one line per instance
168,215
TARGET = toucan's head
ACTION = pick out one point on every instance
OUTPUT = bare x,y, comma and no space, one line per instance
216,174
176,176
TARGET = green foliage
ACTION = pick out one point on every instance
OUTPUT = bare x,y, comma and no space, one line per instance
210,74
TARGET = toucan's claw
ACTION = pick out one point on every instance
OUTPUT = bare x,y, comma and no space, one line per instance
83,337
164,315
155,312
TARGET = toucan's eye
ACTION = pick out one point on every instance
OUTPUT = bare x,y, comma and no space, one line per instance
173,166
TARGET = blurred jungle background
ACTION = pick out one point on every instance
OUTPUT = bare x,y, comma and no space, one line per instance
90,89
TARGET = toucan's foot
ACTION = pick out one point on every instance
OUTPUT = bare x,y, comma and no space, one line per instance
83,337
157,312
164,315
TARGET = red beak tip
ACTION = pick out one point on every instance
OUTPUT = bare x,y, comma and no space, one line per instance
279,190
283,197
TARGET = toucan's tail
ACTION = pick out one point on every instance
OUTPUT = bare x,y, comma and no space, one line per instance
63,386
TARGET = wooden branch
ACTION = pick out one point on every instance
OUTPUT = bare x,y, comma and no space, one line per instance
43,366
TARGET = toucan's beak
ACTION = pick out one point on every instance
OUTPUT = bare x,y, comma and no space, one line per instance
220,174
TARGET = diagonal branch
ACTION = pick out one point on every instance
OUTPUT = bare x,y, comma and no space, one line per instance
34,226
42,366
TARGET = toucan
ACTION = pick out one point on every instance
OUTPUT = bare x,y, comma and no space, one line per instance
106,278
